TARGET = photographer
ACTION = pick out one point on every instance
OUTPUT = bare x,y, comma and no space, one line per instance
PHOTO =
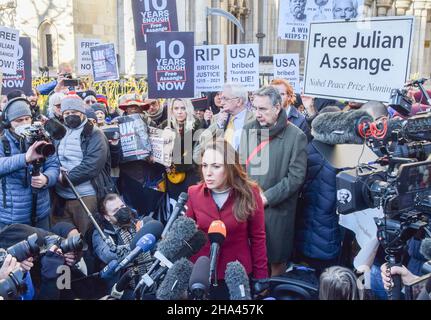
16,166
57,85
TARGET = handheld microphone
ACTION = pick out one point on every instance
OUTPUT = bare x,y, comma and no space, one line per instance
145,244
217,235
153,227
179,207
340,127
183,229
237,281
176,282
199,281
118,289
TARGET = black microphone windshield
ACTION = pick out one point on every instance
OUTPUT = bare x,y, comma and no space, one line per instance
199,280
153,227
176,282
182,230
237,281
193,246
55,129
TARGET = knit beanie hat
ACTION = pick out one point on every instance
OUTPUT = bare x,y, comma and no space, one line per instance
17,108
72,102
99,107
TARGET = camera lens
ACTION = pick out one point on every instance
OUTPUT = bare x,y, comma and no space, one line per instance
25,249
46,150
72,244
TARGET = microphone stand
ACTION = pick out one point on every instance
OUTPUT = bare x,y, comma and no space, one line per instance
107,240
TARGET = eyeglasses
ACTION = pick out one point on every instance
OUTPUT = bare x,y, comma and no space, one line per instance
261,110
90,101
57,105
228,99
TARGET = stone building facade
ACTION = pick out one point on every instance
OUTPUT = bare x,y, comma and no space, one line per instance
55,26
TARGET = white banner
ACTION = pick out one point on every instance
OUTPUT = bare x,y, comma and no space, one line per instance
286,66
84,67
358,60
295,15
209,68
243,65
9,44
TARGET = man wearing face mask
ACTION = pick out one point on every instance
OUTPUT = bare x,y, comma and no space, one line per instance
17,184
119,222
84,154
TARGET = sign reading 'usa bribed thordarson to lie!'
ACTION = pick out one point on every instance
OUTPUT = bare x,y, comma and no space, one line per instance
358,60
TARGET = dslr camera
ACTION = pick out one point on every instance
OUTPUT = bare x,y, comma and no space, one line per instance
71,244
35,133
22,250
13,286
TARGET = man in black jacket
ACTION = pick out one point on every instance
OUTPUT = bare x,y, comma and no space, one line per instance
84,154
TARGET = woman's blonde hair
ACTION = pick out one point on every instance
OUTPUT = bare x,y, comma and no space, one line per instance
190,120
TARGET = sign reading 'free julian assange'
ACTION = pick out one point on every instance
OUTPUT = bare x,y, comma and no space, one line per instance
358,60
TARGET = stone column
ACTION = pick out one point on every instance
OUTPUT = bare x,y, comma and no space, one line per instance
418,54
383,6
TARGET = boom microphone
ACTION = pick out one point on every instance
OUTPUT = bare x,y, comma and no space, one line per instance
199,281
217,235
237,281
179,207
176,282
340,127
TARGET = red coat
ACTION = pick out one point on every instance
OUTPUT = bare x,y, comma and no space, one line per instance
245,242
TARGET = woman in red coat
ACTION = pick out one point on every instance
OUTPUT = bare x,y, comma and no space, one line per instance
228,195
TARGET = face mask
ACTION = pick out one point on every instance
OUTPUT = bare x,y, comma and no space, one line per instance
20,131
73,121
124,217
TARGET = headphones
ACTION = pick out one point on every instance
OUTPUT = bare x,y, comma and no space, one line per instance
6,122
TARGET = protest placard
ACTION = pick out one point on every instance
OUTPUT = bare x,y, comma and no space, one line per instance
84,66
286,66
153,16
162,145
347,61
9,45
243,65
171,65
209,68
135,142
104,63
22,79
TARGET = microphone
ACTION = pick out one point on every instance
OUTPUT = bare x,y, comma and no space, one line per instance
176,282
55,129
183,229
153,227
425,248
199,281
237,281
146,243
118,289
217,235
340,127
182,199
187,250
144,240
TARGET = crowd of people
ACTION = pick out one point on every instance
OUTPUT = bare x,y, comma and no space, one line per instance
252,163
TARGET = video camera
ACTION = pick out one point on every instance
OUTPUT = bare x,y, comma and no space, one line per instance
35,133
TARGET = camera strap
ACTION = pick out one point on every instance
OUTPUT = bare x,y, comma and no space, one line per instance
7,153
